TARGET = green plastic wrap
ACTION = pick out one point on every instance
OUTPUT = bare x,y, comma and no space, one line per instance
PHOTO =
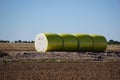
99,43
48,42
70,42
85,42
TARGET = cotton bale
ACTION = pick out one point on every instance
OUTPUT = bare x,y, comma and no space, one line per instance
70,42
48,42
99,43
85,42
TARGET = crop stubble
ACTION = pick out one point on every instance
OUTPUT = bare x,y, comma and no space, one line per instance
32,70
30,47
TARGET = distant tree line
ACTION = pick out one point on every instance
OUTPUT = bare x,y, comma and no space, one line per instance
113,42
20,41
4,41
16,41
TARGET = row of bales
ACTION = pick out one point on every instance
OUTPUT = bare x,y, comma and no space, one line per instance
70,42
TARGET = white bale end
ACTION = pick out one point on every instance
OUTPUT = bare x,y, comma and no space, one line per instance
48,42
41,42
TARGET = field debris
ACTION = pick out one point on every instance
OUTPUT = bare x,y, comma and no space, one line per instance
18,51
62,56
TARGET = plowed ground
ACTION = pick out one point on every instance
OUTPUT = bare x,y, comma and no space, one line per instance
23,63
33,70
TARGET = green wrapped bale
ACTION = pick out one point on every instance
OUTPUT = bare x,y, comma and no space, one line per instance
99,43
48,42
70,42
85,42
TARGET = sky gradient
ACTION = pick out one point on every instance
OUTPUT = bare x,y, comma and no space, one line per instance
24,19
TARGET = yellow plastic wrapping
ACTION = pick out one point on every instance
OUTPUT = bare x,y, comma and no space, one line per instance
85,42
48,42
99,43
70,42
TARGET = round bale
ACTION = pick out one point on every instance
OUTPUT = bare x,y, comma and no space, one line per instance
99,43
48,42
70,42
85,42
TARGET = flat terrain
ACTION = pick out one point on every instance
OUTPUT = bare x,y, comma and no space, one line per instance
17,47
16,51
113,48
20,61
33,70
30,47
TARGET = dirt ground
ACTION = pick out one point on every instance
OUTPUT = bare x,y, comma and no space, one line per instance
33,70
30,47
27,51
21,62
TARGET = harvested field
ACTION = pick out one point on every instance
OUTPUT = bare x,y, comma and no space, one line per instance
30,47
17,47
16,51
113,48
20,61
33,70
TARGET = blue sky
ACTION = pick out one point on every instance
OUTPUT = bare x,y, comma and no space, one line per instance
24,19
